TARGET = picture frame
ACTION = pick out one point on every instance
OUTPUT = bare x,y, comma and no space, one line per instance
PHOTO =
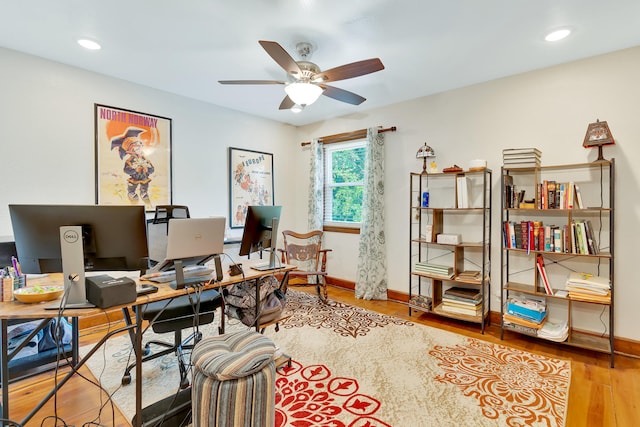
598,134
250,182
132,157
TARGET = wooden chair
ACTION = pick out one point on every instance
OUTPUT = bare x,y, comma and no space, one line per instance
304,250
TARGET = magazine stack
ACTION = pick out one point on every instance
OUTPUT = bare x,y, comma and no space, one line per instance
588,287
525,314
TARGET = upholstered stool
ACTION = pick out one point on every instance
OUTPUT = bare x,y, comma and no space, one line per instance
234,381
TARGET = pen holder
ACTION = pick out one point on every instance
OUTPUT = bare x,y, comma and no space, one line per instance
19,282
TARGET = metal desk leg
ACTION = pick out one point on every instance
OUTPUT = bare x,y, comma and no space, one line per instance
4,370
138,351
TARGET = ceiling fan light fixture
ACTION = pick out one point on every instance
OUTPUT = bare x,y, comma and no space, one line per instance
303,93
297,108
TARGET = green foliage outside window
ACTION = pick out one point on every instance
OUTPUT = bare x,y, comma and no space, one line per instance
347,186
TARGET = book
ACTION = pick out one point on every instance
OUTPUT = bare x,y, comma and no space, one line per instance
462,191
578,200
513,151
523,322
589,279
592,244
542,271
551,194
461,310
466,293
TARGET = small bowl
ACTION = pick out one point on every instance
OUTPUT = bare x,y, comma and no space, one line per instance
34,294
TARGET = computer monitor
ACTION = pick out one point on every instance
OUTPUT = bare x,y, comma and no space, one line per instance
113,237
193,242
261,232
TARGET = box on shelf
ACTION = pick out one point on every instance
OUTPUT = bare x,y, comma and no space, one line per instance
449,239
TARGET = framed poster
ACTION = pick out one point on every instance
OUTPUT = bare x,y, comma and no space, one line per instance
250,182
133,158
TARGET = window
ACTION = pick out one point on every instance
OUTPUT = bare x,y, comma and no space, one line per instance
343,183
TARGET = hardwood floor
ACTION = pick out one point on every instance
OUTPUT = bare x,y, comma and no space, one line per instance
599,396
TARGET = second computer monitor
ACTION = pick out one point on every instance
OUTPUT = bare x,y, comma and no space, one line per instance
261,231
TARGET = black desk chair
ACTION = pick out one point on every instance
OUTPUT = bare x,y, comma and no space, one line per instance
165,212
173,316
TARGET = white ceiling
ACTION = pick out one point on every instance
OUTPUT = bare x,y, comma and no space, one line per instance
427,46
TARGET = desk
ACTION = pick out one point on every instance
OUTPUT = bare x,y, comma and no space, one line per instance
17,310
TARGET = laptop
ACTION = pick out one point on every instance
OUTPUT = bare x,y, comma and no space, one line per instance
193,240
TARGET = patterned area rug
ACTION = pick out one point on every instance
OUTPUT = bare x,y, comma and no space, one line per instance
356,368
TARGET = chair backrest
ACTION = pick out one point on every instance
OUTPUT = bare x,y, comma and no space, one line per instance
303,249
165,212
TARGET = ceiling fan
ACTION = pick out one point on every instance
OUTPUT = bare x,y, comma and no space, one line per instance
306,82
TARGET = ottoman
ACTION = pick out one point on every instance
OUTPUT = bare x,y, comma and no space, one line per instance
234,381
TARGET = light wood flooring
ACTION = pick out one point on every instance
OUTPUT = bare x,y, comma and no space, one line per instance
599,395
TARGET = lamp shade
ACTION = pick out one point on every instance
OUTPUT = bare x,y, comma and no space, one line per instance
303,93
425,151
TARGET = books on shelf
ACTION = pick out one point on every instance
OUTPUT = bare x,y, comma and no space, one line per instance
462,191
527,308
435,269
458,292
542,274
521,157
509,318
469,311
469,276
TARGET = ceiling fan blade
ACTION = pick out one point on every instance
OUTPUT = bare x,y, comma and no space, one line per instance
342,95
348,71
281,56
286,103
250,82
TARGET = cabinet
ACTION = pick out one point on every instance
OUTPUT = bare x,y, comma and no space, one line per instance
565,221
452,277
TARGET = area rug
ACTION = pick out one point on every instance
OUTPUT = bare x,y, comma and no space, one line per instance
355,368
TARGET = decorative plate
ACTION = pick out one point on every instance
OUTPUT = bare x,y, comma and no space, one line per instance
38,293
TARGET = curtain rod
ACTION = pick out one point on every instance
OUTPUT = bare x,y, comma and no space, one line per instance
347,136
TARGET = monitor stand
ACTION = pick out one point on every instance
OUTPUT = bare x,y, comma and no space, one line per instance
75,288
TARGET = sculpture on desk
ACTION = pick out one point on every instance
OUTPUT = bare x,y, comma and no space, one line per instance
136,165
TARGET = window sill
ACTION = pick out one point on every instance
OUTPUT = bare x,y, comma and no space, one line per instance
338,229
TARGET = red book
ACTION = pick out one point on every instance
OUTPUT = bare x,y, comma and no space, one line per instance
543,275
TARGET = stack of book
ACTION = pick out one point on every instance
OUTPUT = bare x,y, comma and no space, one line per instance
469,276
588,287
521,157
462,301
435,269
526,314
554,331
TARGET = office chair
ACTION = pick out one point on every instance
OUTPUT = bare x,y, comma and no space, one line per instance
173,316
165,212
304,250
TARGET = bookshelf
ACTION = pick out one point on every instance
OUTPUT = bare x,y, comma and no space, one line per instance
450,244
564,232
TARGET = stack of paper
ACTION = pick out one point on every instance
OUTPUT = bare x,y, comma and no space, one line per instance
554,331
586,286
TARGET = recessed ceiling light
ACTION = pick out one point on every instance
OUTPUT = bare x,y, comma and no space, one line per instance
557,35
89,44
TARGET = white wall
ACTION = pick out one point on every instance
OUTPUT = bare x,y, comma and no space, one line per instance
549,109
47,138
47,146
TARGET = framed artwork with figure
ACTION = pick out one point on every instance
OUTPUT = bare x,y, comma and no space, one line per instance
250,182
132,158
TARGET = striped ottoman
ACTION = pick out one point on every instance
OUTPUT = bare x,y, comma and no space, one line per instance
234,381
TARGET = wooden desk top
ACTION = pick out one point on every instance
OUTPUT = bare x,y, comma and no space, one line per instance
19,310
